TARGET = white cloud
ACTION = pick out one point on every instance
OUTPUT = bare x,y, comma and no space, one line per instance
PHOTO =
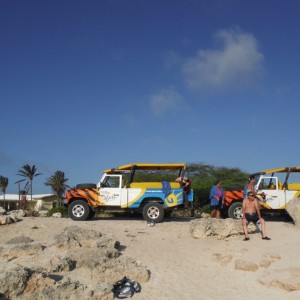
164,101
238,62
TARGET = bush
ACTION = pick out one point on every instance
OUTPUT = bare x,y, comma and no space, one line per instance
205,209
61,209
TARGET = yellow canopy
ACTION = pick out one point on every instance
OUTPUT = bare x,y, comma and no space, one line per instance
146,166
280,170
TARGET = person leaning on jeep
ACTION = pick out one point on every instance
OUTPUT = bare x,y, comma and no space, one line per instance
186,185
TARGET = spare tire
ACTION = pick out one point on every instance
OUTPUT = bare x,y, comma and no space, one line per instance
86,186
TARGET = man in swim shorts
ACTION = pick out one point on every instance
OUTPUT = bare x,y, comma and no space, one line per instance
251,213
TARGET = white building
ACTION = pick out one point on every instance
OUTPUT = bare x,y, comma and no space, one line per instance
39,202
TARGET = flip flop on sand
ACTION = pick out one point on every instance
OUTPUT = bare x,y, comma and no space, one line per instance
266,238
246,239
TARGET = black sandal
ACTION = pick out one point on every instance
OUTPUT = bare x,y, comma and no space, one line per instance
266,238
246,239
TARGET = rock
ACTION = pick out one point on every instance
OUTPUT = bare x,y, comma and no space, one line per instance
205,215
74,236
293,209
245,265
2,211
60,264
18,282
287,279
8,219
21,250
13,280
201,229
13,217
56,215
43,213
20,213
20,240
79,264
221,228
4,219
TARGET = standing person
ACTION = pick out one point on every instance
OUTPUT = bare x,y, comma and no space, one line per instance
251,213
249,186
186,189
216,198
186,185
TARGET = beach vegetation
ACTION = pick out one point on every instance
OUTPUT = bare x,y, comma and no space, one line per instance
58,184
29,173
3,187
60,209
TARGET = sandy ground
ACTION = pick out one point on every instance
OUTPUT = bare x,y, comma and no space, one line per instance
183,267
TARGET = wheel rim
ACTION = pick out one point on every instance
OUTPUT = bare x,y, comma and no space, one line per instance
238,213
78,211
153,212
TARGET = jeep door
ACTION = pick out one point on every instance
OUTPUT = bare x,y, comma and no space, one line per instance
274,194
110,190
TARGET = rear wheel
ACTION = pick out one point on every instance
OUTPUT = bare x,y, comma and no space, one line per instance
153,212
79,210
235,211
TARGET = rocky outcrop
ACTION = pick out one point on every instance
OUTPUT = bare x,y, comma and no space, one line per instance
11,216
79,264
8,219
220,228
20,213
293,209
18,282
56,215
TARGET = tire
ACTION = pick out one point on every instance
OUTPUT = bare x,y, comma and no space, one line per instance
86,186
235,211
91,214
79,210
153,212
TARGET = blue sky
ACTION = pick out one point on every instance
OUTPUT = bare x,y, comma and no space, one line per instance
90,85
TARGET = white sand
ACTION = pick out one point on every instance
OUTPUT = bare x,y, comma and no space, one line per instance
183,267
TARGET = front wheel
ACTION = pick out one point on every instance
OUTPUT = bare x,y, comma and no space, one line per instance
79,210
235,211
153,212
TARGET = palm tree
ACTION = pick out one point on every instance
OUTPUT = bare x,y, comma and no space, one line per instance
58,184
29,173
3,186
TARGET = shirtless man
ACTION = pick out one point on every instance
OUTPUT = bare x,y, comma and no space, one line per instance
251,213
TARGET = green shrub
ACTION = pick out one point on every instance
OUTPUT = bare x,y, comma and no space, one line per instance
30,205
205,209
61,209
